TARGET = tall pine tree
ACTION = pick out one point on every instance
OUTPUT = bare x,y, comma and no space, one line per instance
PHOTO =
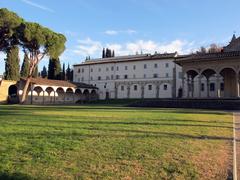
68,73
12,64
35,74
25,67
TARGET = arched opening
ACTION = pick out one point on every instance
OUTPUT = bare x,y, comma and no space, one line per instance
191,82
231,82
86,95
37,95
69,98
60,95
49,95
209,83
13,94
94,95
78,95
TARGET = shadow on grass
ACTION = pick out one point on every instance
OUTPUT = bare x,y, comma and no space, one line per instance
14,176
136,134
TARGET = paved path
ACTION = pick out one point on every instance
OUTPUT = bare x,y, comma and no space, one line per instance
236,119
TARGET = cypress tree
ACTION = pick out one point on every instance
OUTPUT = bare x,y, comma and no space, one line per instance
68,73
63,72
54,69
12,64
44,72
113,53
35,74
25,67
103,53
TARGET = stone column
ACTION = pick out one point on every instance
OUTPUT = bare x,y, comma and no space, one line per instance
116,91
128,91
183,86
188,86
199,85
192,86
237,85
208,87
43,96
157,90
142,92
218,85
54,97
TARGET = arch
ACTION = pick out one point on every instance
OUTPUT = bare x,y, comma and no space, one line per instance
69,90
208,73
94,95
192,73
86,94
231,82
50,95
12,91
78,91
38,89
60,95
49,90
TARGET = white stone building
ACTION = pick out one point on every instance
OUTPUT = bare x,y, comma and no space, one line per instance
133,76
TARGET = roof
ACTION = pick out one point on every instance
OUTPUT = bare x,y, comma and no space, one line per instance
61,83
208,56
142,57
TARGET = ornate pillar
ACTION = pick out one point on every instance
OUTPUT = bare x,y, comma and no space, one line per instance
218,85
142,91
128,91
199,85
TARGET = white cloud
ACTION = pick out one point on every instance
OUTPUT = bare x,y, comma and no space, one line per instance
116,32
89,47
38,6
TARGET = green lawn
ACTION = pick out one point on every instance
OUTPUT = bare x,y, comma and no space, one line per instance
103,142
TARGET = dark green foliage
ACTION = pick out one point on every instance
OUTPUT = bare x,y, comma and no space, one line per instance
103,53
68,73
12,64
25,67
44,72
63,72
54,69
108,53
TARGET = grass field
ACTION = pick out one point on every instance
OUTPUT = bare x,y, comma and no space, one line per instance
103,142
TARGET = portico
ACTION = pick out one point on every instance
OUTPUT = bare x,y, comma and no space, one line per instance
211,75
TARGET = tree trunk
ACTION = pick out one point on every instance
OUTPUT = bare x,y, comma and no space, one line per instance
25,90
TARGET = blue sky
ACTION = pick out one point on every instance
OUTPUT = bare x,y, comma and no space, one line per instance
131,25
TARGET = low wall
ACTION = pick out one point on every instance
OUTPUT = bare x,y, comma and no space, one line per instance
221,104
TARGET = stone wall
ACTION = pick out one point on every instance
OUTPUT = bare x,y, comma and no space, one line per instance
4,85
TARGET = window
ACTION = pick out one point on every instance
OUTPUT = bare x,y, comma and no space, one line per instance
125,76
134,76
117,77
112,76
117,68
144,76
82,70
112,68
212,86
155,75
91,69
122,88
149,87
166,65
165,87
126,67
155,65
134,67
145,66
107,69
135,87
202,87
107,78
79,70
105,86
99,78
91,78
99,69
222,86
167,75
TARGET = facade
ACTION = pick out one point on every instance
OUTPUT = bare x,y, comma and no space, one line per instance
44,91
132,77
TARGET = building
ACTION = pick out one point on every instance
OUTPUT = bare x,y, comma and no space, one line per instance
132,77
45,91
